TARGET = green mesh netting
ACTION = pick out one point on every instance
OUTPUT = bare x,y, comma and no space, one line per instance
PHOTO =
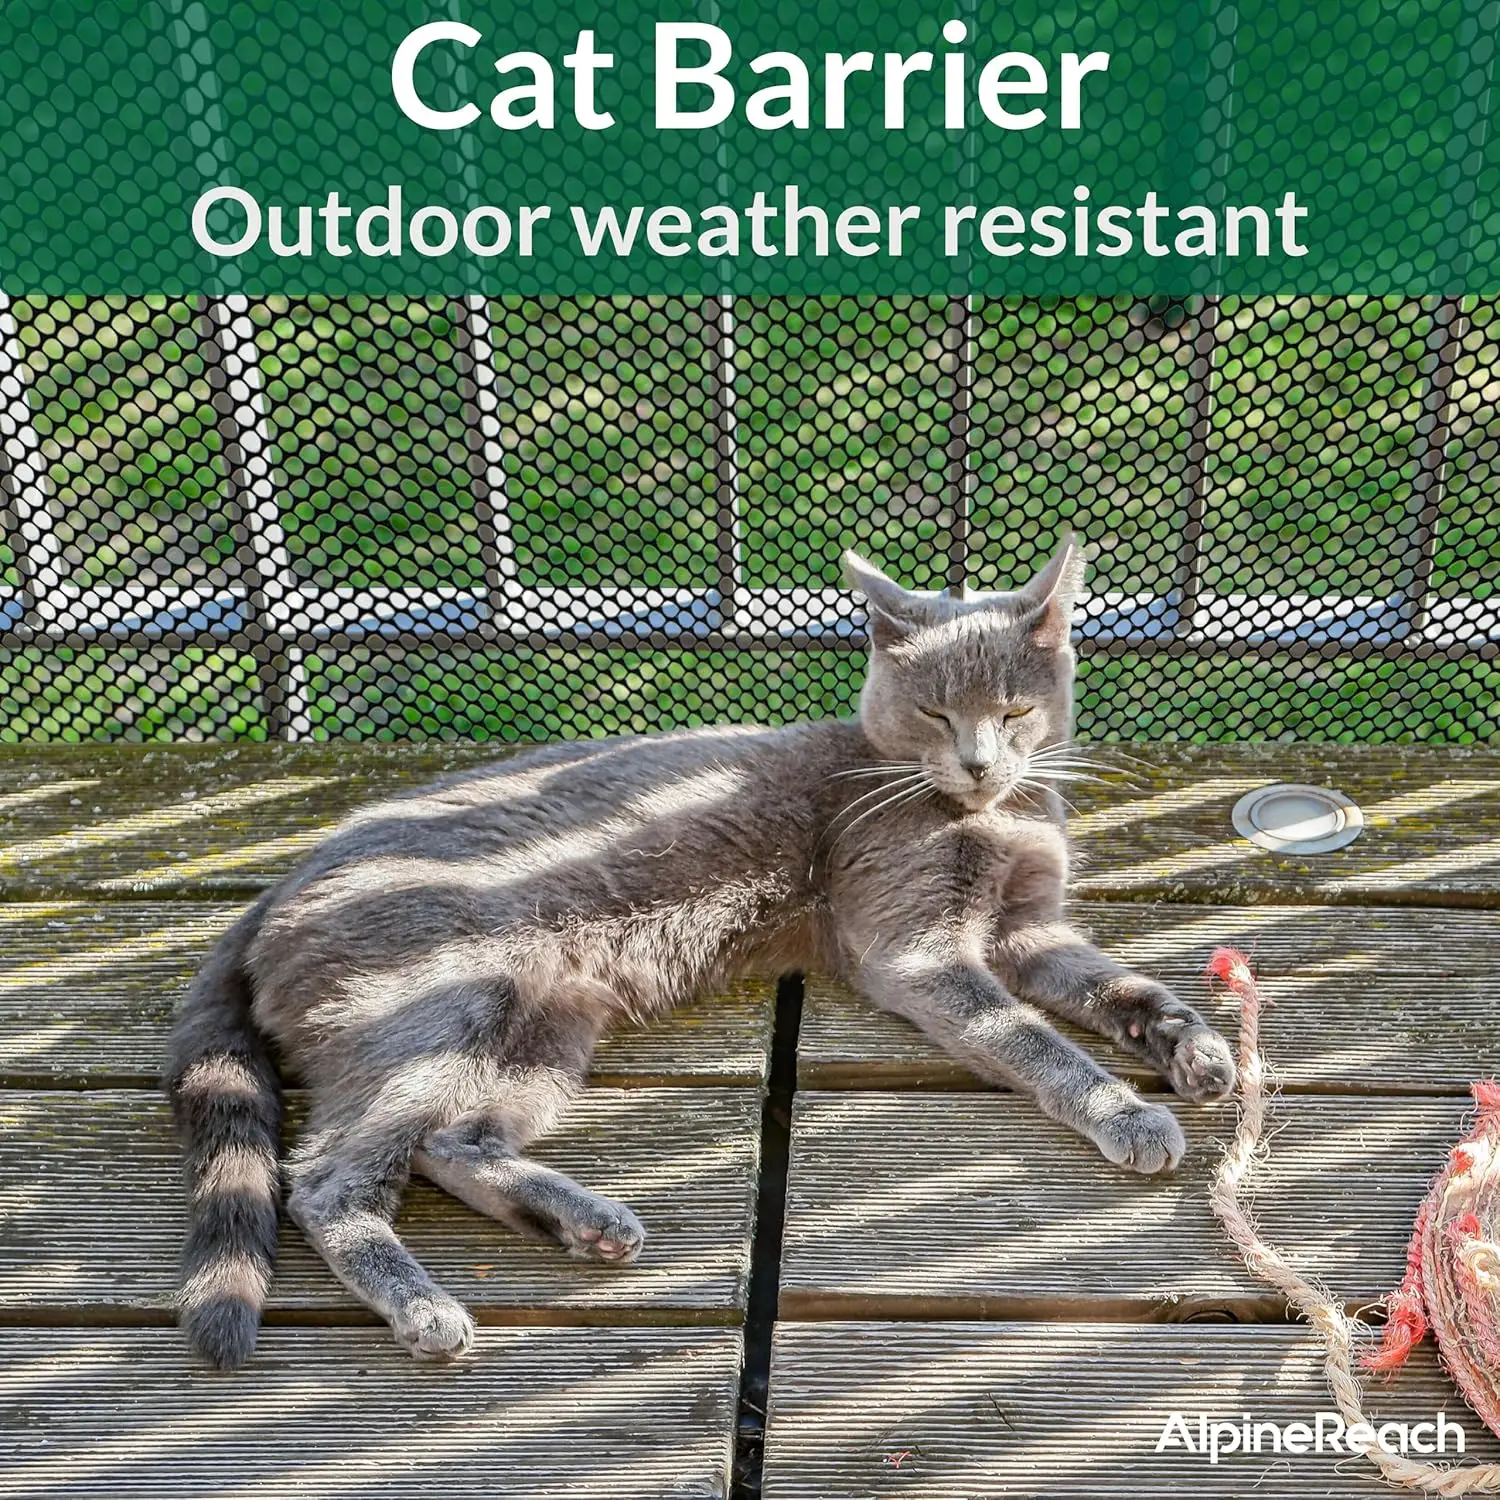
522,519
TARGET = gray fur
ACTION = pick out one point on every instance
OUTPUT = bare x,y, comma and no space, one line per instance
438,971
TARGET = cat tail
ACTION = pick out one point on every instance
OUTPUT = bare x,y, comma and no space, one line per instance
226,1099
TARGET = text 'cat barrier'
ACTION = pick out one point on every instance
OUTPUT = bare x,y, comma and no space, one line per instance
524,519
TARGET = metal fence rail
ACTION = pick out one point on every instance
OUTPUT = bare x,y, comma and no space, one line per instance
958,397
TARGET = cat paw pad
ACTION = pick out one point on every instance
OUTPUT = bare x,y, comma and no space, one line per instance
603,1230
1202,1067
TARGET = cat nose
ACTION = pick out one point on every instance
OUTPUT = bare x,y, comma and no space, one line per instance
978,769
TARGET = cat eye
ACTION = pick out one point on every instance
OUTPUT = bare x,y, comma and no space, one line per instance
935,714
1017,713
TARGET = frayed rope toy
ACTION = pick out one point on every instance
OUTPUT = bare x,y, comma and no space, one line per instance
1452,1280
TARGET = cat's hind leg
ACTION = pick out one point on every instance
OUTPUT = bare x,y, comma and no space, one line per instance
477,1155
345,1194
1058,969
478,1161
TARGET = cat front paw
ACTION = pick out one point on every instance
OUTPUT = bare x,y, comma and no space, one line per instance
1144,1137
1202,1067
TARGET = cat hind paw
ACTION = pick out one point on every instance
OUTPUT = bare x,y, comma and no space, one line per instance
602,1229
434,1329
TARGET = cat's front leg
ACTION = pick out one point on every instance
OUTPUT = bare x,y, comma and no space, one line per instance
962,1006
1059,969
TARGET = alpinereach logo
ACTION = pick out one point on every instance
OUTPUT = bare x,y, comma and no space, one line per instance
1216,1437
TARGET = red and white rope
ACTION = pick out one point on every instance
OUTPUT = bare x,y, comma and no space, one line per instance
1453,1266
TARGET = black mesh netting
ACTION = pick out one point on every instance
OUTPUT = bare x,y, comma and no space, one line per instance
526,519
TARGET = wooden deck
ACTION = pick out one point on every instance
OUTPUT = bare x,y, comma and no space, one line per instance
971,1302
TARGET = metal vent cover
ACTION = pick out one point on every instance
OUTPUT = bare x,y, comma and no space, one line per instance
1293,819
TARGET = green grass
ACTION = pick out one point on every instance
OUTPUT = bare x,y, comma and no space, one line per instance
606,423
552,694
841,428
120,401
364,402
1341,699
132,695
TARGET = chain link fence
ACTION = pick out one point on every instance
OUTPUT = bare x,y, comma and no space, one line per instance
524,519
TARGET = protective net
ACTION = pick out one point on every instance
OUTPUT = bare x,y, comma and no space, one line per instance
526,519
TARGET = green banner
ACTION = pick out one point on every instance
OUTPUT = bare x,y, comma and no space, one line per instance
375,146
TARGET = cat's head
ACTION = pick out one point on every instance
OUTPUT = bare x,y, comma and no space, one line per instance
970,689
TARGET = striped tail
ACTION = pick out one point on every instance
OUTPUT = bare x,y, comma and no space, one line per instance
226,1099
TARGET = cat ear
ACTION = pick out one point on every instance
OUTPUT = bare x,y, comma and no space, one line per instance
1047,602
894,613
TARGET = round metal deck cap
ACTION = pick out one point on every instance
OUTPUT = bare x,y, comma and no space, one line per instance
1293,819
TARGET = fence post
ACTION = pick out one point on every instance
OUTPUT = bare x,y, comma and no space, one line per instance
25,514
476,349
719,333
1196,476
1434,429
961,477
233,371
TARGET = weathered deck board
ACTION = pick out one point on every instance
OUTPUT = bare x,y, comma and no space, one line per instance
120,819
87,993
535,1412
940,1205
1432,826
217,818
1362,999
90,1213
964,1411
975,1205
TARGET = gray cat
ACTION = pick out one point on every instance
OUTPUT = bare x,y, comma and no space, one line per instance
438,971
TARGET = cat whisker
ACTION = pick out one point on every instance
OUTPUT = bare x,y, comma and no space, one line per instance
1070,766
1064,765
1115,776
1053,773
1069,748
1049,791
1042,757
890,768
905,794
878,768
873,794
1111,752
1035,786
879,791
1111,747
